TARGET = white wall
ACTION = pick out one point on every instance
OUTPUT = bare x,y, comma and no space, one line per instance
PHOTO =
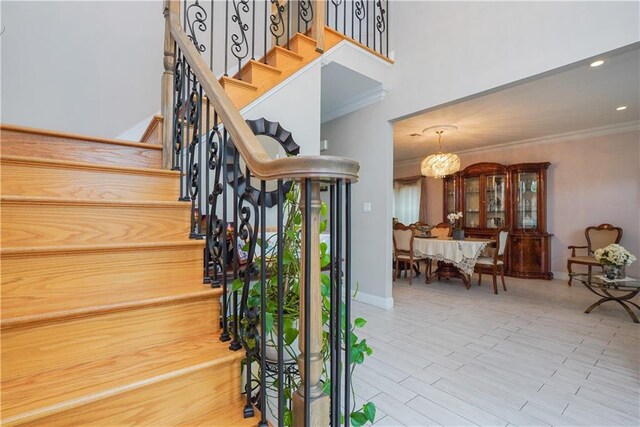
449,50
358,137
592,180
85,67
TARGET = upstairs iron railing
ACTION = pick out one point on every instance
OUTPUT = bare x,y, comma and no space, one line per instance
241,199
237,31
365,21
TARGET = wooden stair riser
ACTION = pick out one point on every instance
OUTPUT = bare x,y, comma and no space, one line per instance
214,390
304,46
260,75
67,344
241,93
284,60
54,281
26,394
79,150
50,224
72,181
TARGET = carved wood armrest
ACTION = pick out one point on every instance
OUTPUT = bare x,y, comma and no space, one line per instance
573,249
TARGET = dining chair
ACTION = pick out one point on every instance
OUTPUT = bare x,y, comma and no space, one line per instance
439,231
403,237
494,264
597,237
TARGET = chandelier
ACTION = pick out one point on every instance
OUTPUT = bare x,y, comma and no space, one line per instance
441,164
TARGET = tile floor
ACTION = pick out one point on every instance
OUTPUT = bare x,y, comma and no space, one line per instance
449,356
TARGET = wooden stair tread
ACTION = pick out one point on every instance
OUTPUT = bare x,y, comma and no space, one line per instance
69,135
64,315
39,143
70,164
226,80
105,247
44,200
26,398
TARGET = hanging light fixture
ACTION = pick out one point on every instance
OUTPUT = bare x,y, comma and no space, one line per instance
441,164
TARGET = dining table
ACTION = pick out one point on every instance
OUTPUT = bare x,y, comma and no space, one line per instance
456,257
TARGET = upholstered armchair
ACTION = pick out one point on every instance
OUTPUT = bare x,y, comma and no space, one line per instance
597,237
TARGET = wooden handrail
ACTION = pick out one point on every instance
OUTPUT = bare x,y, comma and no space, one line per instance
250,148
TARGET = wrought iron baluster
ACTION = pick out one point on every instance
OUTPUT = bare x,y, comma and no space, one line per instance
194,165
347,306
334,323
185,167
336,4
239,42
307,221
280,315
177,111
305,13
249,315
253,30
211,39
196,16
226,38
277,21
360,13
216,229
337,298
381,24
263,304
288,23
221,185
235,343
266,14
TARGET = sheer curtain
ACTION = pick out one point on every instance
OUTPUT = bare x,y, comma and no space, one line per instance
406,201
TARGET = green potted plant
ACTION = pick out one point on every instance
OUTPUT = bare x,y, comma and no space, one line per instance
291,245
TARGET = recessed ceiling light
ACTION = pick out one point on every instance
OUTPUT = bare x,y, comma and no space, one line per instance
597,63
622,107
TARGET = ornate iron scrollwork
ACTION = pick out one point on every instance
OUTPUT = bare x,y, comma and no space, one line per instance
277,27
381,24
239,42
306,11
216,227
177,113
196,17
360,13
194,168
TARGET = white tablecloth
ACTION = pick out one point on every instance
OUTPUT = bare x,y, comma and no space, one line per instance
461,253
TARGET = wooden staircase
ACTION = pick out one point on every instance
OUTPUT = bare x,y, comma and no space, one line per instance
257,77
105,319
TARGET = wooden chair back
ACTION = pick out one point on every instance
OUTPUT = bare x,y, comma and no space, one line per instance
441,230
403,236
601,236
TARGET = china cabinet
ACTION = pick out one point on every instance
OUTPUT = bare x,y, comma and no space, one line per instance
450,195
492,196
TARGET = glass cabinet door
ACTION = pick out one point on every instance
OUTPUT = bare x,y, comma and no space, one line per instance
526,200
450,194
495,201
472,202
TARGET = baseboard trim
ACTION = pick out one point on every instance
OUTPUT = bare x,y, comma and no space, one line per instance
374,300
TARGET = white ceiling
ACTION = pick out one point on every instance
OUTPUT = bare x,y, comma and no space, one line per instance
577,98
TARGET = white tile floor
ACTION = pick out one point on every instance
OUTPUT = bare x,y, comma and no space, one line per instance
449,356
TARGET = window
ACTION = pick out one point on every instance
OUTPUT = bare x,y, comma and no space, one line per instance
406,201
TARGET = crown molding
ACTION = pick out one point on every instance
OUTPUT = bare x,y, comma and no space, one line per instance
559,137
358,102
